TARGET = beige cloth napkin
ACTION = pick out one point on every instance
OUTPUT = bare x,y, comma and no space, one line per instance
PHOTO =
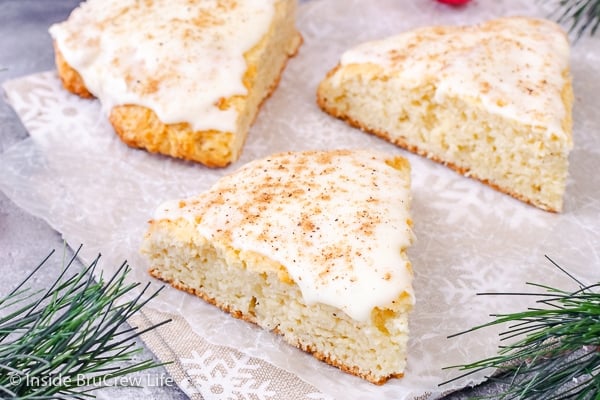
212,371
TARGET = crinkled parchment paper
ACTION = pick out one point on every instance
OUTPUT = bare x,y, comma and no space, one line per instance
77,175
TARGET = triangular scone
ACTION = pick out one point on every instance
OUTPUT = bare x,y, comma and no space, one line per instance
492,101
311,245
185,79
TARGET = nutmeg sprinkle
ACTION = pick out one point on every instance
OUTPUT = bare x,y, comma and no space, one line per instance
158,53
336,220
503,64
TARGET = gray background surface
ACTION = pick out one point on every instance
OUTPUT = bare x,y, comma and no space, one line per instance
26,48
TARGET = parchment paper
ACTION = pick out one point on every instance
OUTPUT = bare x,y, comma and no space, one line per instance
77,175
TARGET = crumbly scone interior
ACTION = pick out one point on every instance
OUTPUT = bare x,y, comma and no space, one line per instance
251,287
459,132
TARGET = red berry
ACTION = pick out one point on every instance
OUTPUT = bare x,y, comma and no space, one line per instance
454,2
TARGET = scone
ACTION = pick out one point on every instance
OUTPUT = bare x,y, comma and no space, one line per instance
492,101
311,245
177,77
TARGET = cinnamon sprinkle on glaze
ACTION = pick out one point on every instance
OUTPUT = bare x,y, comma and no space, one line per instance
338,221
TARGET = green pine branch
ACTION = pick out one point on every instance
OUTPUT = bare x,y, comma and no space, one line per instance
581,16
70,339
556,349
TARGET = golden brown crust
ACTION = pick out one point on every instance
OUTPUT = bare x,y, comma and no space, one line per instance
353,370
324,105
71,80
140,127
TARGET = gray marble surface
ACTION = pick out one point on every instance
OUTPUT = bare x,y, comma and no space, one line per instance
26,48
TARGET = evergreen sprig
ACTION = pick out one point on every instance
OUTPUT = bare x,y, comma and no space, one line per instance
556,352
581,15
70,339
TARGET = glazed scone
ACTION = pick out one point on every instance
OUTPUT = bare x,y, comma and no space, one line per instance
492,101
311,245
185,79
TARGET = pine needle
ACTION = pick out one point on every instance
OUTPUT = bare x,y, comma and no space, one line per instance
556,352
70,339
581,16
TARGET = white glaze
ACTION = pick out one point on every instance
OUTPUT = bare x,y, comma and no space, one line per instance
514,66
337,221
176,57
